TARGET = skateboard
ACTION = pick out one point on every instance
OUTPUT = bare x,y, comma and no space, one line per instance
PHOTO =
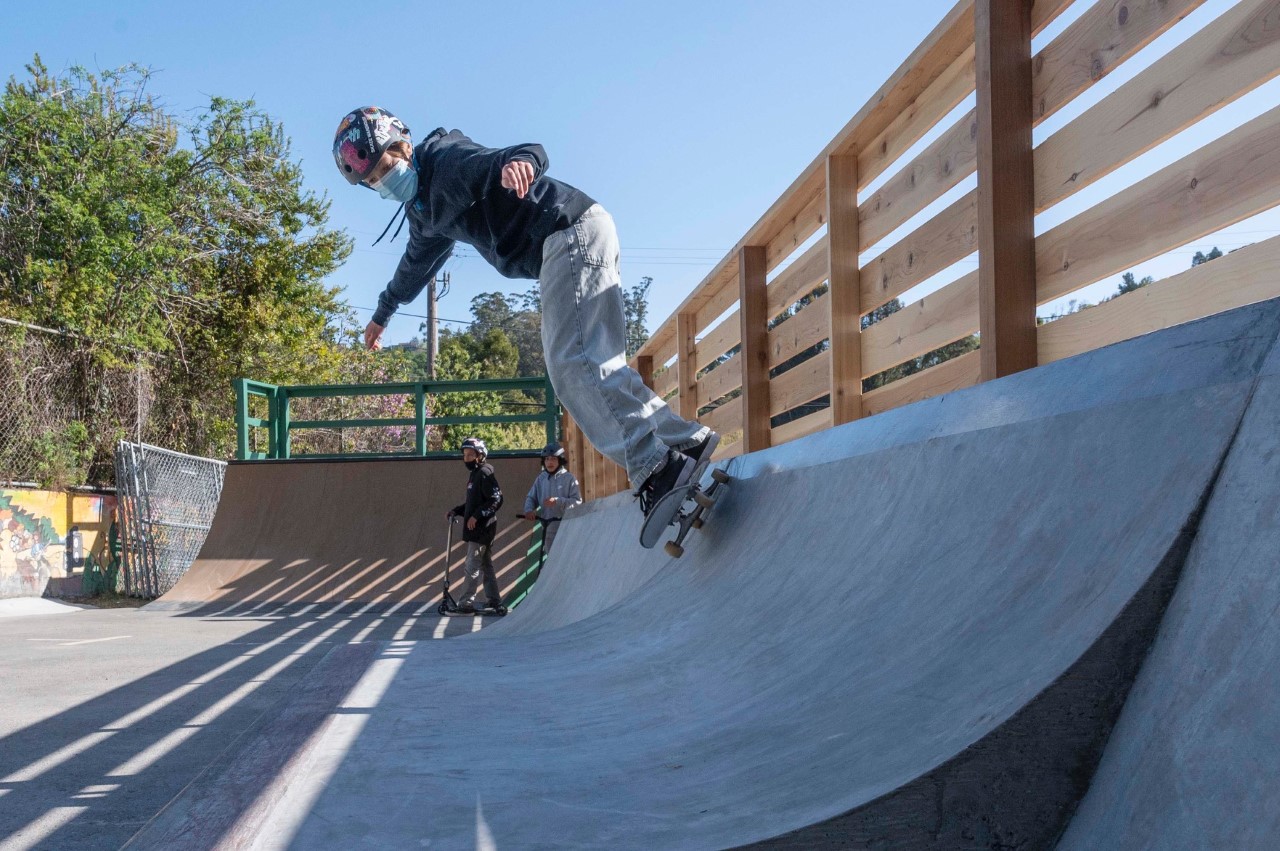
674,510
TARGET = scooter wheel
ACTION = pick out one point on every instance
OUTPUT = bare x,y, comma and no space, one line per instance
719,475
702,499
442,609
673,549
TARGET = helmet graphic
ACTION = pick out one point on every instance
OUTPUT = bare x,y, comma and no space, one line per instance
362,138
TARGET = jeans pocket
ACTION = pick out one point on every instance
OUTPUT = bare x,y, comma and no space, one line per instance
597,239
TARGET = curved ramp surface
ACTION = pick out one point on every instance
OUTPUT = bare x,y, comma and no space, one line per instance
901,640
304,532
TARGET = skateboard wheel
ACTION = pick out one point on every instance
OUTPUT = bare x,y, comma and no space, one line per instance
719,475
673,549
697,524
702,499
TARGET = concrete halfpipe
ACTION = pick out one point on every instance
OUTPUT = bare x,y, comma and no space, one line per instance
1038,611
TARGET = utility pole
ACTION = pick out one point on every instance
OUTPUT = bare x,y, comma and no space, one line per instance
433,338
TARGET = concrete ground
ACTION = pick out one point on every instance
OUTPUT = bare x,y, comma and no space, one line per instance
108,714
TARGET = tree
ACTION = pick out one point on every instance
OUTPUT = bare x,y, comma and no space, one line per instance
1201,258
636,310
188,244
1128,284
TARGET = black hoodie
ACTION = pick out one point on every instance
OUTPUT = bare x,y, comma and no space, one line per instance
484,498
461,199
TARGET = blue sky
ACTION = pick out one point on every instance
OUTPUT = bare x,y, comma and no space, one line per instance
686,120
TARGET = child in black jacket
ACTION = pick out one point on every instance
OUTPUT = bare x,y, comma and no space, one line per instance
480,526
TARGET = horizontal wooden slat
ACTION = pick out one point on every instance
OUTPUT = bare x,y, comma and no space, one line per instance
918,118
1236,279
729,448
796,230
1228,180
950,375
725,419
1228,58
720,381
810,325
665,382
951,158
1095,44
718,340
800,384
802,277
801,427
948,237
940,318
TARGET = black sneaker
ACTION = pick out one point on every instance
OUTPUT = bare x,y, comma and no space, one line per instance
675,472
707,447
495,607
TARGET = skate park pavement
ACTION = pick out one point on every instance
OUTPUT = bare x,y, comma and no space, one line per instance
1037,612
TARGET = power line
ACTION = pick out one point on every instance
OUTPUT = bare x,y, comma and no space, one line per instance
413,315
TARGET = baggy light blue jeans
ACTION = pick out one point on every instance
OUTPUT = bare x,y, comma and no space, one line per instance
584,338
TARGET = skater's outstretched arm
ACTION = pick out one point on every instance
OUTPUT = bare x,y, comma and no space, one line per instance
424,256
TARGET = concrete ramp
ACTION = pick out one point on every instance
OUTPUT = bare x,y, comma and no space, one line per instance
326,532
912,632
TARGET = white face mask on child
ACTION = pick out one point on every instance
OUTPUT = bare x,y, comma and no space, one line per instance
399,184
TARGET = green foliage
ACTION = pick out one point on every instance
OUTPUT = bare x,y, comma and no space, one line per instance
464,358
636,308
63,457
1201,258
148,234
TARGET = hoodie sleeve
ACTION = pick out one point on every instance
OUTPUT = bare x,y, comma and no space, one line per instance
575,495
466,172
424,256
490,497
533,154
531,501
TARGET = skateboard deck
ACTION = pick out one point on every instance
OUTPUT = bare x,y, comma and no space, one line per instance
685,508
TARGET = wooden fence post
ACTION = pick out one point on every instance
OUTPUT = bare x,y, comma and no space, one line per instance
846,295
1006,189
753,312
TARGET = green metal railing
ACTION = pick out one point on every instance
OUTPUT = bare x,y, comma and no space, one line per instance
280,426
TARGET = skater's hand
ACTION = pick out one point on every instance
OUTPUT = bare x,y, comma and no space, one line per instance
530,515
373,336
549,502
471,523
517,175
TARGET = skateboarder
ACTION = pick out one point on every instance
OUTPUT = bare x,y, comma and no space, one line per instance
479,515
501,202
554,491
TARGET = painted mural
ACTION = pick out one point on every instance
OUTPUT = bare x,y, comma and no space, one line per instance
33,535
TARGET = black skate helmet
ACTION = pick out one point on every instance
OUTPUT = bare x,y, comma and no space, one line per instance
362,138
477,444
554,450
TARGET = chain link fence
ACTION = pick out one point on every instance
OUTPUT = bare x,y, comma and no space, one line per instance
165,503
61,411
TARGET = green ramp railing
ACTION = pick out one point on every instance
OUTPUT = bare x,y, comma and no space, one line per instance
280,426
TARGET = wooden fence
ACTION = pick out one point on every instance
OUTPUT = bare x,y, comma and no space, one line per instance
814,233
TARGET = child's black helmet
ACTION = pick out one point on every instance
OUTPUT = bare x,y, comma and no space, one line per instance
553,450
362,138
476,444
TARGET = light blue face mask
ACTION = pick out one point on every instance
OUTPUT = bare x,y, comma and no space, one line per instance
399,184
